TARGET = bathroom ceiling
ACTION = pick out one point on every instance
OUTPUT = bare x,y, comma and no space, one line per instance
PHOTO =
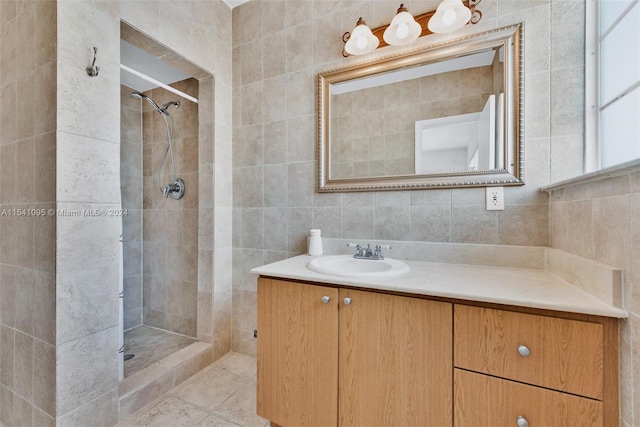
147,64
151,66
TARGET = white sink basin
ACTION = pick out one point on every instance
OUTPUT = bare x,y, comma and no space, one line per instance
348,266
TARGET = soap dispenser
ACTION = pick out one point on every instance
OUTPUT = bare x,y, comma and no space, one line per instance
315,242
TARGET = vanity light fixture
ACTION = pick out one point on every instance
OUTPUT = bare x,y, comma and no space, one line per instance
403,28
449,16
360,41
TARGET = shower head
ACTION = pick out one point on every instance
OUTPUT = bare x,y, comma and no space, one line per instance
140,95
136,94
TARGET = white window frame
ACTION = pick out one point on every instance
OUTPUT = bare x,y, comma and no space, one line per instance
592,88
593,143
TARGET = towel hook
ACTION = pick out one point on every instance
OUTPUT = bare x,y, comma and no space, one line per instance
93,69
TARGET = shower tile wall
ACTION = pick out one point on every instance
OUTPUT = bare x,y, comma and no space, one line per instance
131,187
170,227
27,188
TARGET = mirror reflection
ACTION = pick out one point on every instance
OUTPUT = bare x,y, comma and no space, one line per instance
441,116
437,117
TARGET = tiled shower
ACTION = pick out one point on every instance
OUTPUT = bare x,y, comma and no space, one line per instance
160,234
60,150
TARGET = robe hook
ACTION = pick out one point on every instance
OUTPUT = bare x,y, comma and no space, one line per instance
93,69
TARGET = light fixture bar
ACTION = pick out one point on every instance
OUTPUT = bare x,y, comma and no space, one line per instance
423,19
159,83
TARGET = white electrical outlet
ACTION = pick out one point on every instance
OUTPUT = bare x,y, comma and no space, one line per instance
495,198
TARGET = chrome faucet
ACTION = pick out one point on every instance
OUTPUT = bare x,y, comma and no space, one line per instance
367,253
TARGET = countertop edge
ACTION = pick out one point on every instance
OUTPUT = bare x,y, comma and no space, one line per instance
596,307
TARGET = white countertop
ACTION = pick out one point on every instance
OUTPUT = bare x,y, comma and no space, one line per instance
500,285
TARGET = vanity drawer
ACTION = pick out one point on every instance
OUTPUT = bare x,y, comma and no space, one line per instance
556,353
482,400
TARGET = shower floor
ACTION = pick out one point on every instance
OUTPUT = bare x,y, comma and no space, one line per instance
150,345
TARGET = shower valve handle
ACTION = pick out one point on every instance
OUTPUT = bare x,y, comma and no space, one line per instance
169,189
176,189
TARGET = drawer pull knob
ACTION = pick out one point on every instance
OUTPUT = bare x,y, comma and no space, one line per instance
522,421
524,351
347,301
326,299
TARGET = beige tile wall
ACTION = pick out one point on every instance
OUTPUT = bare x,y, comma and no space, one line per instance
131,192
88,176
170,227
27,229
364,145
599,221
280,47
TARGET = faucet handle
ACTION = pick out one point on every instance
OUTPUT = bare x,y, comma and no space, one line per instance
378,252
357,246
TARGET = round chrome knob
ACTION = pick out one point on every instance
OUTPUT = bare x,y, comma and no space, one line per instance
523,351
522,421
326,299
347,301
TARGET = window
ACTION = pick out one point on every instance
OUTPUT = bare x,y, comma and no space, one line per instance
613,67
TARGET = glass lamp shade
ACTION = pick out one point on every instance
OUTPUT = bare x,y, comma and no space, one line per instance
361,40
450,16
403,28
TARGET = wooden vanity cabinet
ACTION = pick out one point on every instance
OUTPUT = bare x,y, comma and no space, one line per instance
357,359
332,356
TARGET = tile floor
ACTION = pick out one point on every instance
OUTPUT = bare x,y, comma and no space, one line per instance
149,346
221,395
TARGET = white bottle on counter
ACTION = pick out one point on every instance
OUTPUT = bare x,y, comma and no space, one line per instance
315,242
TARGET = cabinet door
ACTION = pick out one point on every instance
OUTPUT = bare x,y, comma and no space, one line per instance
395,361
297,382
482,400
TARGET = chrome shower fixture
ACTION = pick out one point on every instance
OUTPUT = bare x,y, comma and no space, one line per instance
164,107
160,109
176,187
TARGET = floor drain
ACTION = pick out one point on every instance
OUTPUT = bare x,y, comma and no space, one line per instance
129,356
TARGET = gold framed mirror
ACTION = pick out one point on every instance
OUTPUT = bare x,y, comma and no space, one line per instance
442,116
